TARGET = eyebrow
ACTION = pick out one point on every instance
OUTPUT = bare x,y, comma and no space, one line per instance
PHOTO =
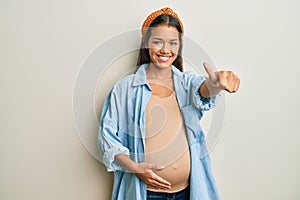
162,39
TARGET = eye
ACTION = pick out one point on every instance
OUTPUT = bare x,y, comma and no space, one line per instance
157,42
173,43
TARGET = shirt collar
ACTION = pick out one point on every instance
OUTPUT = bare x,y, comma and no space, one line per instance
140,77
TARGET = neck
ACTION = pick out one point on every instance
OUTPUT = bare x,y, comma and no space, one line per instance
159,73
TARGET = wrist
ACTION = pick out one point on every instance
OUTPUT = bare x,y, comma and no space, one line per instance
127,163
209,89
213,86
134,167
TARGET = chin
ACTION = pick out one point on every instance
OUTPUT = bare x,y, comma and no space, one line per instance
163,65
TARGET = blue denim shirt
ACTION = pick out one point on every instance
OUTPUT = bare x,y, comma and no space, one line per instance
122,131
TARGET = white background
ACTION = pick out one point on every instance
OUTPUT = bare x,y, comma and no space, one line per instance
43,44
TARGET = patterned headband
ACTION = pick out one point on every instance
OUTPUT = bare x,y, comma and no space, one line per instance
157,13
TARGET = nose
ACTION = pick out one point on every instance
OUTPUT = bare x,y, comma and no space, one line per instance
165,48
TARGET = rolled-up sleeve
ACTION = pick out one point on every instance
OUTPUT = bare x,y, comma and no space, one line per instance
108,140
199,101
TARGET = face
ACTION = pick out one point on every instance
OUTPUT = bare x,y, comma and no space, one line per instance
163,46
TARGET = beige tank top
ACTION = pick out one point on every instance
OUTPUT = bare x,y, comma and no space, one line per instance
166,141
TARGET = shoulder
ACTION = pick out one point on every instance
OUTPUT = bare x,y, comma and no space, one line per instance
184,75
188,77
123,83
126,80
136,79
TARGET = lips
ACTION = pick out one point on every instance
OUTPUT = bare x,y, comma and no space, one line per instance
164,58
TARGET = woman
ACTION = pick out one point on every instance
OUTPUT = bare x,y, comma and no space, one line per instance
149,132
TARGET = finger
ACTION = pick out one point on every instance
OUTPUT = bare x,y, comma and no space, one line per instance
158,185
237,85
210,72
223,79
232,83
162,182
155,167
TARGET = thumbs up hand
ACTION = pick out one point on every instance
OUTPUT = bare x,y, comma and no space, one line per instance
218,81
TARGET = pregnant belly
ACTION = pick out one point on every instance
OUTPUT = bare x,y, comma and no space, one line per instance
177,173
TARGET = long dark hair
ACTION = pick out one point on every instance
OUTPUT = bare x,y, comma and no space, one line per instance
163,19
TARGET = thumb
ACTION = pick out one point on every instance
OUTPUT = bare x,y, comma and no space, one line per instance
155,167
210,72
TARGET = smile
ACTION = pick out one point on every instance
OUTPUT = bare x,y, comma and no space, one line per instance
164,58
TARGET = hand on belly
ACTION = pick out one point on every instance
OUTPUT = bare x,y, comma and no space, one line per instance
176,173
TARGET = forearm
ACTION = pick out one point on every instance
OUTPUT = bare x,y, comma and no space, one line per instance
207,90
126,162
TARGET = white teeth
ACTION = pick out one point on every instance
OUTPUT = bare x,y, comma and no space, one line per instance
164,58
